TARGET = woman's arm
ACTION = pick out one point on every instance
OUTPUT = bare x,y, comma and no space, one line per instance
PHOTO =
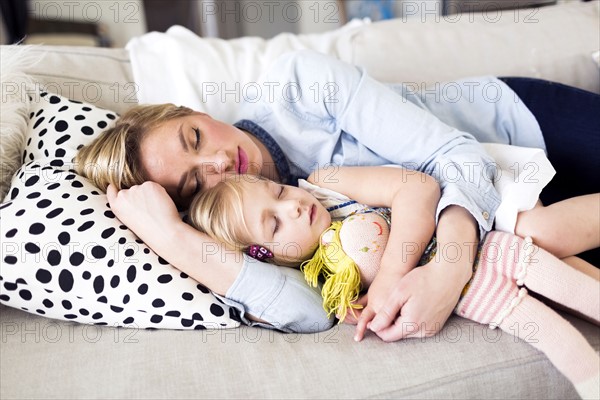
427,294
346,117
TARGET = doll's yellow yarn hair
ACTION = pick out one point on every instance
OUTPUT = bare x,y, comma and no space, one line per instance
341,276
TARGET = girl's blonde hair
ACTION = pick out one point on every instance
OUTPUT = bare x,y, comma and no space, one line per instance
114,157
219,213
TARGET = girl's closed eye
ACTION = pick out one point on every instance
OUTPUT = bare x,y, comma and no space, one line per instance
275,219
276,227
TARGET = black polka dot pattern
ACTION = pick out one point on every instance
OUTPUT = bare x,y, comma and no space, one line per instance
66,255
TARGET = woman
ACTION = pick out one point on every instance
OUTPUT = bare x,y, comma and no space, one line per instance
314,111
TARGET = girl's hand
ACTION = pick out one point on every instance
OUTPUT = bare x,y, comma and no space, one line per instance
146,209
353,315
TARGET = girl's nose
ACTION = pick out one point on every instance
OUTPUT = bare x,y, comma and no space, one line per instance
294,208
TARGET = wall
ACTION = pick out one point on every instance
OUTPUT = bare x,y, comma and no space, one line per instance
268,18
320,15
122,19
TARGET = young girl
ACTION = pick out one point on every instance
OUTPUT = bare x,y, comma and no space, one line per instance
285,224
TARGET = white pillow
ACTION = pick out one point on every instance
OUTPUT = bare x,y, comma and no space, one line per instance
212,75
66,256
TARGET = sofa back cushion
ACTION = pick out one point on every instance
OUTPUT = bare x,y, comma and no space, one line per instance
98,76
554,43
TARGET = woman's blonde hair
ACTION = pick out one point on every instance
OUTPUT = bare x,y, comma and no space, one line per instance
114,157
219,213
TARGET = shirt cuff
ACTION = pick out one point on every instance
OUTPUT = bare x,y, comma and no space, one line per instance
278,295
484,213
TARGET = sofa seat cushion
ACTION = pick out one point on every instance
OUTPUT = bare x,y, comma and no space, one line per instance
465,360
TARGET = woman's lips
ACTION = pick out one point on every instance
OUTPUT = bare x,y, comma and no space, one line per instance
242,166
313,211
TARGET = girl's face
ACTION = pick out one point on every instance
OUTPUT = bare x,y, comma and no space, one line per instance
287,220
189,153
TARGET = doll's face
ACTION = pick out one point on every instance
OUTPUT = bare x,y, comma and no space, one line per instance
287,220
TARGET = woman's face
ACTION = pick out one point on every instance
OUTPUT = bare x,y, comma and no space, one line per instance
193,152
285,219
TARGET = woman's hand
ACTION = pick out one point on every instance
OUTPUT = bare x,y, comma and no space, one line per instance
419,303
378,298
146,209
416,306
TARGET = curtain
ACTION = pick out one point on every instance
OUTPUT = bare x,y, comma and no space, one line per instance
14,15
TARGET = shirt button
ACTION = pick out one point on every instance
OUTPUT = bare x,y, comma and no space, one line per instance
486,215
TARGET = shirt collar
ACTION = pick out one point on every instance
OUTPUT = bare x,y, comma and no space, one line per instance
281,162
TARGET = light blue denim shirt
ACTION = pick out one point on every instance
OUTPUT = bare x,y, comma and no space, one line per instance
312,110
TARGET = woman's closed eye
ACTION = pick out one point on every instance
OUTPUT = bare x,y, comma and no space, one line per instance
197,143
198,185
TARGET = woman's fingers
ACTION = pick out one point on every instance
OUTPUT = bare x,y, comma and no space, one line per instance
384,322
389,312
401,329
111,193
361,327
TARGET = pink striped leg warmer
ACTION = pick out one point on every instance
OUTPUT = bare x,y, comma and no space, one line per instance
558,281
565,346
494,296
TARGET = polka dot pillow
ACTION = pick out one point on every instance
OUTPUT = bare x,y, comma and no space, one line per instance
66,256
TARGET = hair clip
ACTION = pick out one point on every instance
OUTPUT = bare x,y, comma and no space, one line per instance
259,252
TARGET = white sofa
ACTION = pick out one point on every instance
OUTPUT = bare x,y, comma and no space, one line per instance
43,358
